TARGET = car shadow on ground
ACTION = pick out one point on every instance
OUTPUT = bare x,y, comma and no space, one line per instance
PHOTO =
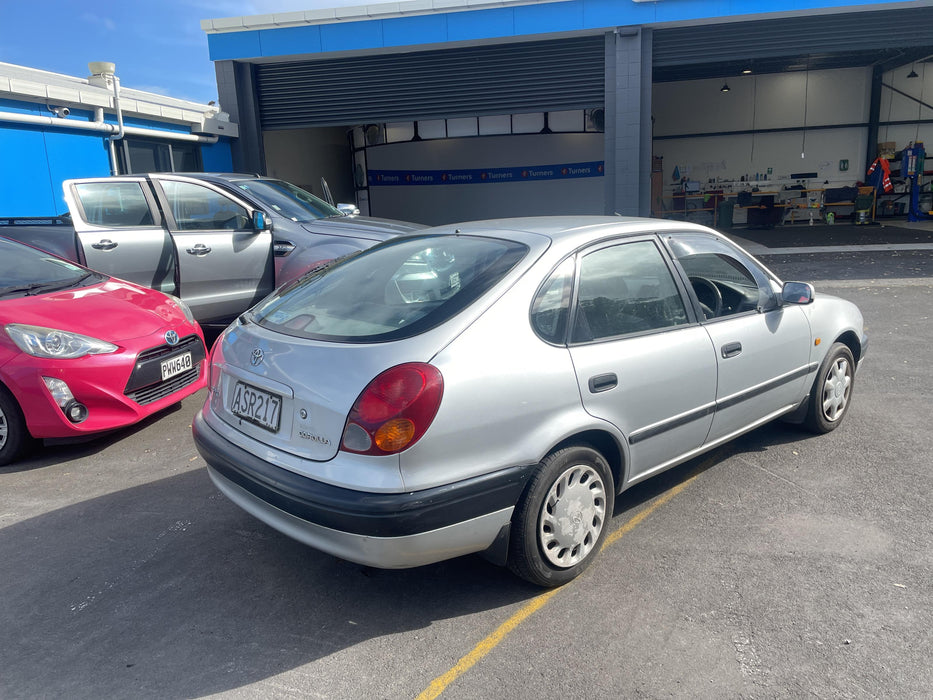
168,590
769,435
51,452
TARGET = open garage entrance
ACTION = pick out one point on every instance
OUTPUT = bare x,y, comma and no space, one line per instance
603,121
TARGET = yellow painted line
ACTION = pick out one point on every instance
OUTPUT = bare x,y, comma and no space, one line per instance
440,684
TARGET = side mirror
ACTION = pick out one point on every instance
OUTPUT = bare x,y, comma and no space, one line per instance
260,221
797,293
348,209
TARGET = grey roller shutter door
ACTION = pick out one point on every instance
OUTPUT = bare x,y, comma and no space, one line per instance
471,81
818,35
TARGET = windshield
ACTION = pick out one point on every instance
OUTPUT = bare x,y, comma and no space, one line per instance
394,290
25,271
289,201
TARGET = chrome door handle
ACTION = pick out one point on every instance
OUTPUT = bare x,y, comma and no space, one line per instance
104,244
603,382
199,249
731,350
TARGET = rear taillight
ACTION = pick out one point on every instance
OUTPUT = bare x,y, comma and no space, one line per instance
394,410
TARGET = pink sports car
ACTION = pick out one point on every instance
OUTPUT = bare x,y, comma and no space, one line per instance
82,353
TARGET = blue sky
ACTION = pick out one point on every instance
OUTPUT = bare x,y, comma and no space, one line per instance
157,45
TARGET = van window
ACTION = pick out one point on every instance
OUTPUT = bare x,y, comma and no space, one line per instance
114,204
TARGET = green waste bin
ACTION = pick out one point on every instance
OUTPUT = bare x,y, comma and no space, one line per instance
724,215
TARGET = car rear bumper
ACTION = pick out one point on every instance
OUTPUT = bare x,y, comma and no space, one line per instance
385,530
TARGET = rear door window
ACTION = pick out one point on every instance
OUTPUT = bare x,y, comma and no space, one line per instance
114,204
625,288
391,291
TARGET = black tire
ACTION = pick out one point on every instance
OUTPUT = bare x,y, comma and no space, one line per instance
575,483
14,438
832,391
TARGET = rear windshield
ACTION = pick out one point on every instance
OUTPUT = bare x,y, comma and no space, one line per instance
394,290
27,271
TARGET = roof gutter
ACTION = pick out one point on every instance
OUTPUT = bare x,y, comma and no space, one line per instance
99,125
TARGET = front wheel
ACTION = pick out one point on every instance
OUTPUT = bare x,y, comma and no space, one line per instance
832,392
562,519
14,438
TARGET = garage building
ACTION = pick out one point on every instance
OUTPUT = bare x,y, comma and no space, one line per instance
444,110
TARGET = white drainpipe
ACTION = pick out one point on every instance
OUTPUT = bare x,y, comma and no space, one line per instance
101,126
114,170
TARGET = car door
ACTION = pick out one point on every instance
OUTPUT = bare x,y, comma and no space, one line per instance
224,264
643,363
120,230
762,348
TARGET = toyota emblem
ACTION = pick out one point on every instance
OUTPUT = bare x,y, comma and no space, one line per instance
171,337
256,357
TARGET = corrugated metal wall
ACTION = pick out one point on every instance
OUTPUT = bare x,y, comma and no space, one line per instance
831,39
498,79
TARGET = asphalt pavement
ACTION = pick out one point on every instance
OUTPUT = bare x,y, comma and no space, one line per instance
781,565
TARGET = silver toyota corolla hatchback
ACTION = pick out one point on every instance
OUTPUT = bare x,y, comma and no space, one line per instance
490,387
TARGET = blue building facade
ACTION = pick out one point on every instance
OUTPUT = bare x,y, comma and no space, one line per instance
55,127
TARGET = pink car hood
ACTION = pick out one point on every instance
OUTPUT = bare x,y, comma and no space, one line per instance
113,310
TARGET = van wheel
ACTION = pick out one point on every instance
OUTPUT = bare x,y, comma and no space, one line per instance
14,438
832,391
563,516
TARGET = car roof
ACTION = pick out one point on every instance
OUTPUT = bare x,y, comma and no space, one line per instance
569,230
224,177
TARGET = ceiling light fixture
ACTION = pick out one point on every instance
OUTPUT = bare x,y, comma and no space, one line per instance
747,71
913,73
724,88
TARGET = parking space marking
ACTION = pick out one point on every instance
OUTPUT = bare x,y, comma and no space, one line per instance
441,683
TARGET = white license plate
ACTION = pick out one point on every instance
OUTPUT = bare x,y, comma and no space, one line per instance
176,365
256,406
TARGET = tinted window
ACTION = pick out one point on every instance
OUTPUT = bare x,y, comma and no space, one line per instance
626,288
198,208
26,271
395,290
140,155
116,204
149,156
288,200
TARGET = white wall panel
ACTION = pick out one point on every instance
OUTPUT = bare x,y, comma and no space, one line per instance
437,204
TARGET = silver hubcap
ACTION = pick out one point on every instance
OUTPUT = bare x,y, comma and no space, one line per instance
836,390
572,516
4,429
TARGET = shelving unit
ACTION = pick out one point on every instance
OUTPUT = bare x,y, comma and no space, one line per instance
797,205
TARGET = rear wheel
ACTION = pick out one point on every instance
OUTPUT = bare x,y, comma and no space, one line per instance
832,392
562,519
14,438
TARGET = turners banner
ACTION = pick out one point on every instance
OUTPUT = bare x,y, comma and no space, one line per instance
482,176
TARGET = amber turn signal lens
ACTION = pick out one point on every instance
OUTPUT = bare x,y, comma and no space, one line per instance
394,435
